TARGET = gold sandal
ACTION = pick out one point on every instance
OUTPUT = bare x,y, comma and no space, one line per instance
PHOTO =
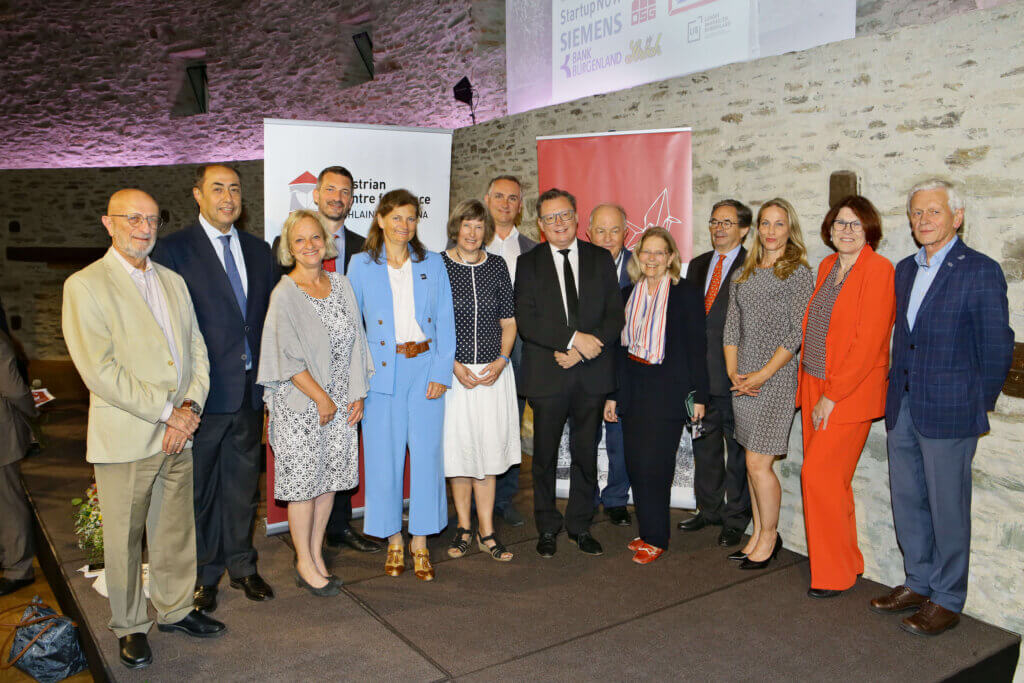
421,564
394,565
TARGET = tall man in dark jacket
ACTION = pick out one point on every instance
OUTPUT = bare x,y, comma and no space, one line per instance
720,470
230,275
569,311
951,351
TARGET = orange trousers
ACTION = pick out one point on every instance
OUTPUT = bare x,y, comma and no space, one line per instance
830,459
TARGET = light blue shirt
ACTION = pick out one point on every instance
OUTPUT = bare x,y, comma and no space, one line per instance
730,258
218,248
926,273
339,243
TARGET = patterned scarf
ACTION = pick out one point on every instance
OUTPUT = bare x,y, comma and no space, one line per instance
644,333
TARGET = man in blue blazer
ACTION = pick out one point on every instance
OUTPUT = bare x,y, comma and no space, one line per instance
230,275
607,228
951,352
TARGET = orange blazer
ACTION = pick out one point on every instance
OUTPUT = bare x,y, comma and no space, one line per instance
857,344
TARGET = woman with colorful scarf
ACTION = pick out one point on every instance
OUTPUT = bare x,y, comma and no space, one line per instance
661,361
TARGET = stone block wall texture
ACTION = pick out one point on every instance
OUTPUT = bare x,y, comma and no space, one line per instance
940,99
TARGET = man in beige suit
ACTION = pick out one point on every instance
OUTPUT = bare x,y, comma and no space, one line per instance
132,333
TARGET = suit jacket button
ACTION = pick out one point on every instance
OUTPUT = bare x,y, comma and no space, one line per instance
913,346
384,362
170,362
906,387
243,356
382,342
428,320
380,322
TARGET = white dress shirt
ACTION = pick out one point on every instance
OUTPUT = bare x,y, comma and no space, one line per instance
508,249
574,261
218,247
148,284
404,302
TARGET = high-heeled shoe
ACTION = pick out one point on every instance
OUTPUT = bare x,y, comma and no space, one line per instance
394,565
421,565
737,556
327,590
761,564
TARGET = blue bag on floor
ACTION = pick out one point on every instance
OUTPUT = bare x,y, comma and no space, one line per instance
44,644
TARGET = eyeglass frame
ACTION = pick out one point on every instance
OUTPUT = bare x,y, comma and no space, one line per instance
135,219
849,227
553,218
728,225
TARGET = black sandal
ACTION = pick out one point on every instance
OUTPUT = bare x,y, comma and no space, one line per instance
460,544
497,550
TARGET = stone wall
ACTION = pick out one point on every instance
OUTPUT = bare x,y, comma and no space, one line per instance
945,98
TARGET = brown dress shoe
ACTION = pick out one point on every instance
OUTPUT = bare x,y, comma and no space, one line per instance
899,599
930,620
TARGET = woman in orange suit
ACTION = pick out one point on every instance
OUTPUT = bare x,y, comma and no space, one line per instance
843,370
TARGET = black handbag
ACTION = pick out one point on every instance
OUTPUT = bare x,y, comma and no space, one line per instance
44,644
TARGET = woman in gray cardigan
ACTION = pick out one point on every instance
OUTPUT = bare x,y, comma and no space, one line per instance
316,368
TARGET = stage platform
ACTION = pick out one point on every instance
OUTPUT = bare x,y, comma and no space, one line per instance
690,616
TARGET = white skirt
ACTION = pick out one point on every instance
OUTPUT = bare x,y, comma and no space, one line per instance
481,427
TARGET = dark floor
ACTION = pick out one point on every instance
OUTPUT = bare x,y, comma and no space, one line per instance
692,615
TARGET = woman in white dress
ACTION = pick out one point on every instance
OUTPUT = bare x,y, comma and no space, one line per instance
481,425
316,368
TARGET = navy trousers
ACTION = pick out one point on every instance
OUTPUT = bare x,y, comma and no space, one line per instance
615,493
930,483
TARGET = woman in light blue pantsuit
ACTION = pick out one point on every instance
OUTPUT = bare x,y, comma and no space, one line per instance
405,297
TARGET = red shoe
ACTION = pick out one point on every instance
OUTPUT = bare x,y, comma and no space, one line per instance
635,544
647,553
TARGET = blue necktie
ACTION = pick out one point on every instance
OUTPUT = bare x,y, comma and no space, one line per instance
236,286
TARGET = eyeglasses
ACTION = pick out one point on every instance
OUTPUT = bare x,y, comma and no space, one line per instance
561,217
656,254
846,226
136,220
728,225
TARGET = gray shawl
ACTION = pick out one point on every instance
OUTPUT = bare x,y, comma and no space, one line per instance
294,340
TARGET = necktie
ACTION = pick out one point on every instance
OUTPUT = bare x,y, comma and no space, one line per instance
236,286
716,282
572,303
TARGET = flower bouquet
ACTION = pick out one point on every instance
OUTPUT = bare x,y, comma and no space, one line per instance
89,526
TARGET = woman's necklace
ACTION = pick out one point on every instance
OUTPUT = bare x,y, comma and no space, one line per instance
463,259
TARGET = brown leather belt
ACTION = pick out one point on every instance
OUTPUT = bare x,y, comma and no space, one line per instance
413,349
638,359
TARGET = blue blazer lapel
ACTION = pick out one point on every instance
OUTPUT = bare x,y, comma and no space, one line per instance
949,264
904,283
211,264
421,285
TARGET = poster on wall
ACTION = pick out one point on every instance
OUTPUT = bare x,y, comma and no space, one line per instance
649,174
381,158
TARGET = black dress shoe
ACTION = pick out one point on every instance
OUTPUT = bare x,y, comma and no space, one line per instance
762,564
546,546
355,540
619,516
135,652
197,625
254,586
8,586
586,543
205,598
822,593
730,537
695,523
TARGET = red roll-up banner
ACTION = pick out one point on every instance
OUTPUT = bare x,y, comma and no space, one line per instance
649,173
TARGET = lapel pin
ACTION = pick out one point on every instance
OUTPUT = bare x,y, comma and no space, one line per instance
423,276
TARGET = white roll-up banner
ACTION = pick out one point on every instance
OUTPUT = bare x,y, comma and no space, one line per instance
381,158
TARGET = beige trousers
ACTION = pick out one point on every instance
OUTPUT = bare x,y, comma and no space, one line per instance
152,495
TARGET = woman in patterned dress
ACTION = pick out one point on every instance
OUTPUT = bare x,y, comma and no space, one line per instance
481,416
316,368
762,336
843,367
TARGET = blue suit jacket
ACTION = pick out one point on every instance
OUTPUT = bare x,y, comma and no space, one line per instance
189,253
435,315
953,364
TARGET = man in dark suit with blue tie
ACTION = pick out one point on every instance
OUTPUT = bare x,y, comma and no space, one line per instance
607,228
230,275
719,464
951,352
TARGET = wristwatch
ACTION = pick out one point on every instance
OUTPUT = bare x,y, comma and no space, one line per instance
192,405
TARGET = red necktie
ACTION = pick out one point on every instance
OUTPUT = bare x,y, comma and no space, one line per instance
716,282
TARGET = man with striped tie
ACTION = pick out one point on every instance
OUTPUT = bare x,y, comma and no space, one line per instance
720,472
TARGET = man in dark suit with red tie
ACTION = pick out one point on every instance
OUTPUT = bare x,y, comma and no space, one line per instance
720,471
569,311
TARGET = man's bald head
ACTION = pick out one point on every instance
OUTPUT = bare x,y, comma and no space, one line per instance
132,221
